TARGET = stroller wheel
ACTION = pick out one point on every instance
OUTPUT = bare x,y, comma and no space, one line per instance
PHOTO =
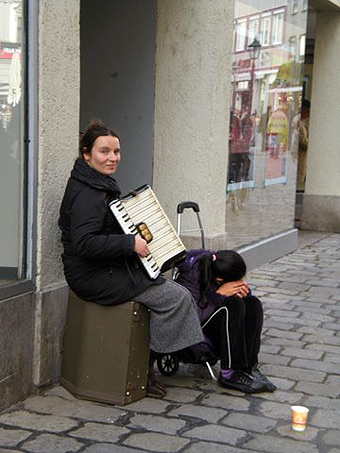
168,364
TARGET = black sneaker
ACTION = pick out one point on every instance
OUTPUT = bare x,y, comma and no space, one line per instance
269,386
242,381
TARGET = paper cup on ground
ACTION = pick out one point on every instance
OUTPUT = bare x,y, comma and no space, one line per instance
299,417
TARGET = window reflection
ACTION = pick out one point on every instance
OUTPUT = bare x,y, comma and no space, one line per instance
265,31
277,27
302,46
241,35
253,28
266,91
12,168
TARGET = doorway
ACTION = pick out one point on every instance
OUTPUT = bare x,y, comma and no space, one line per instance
117,46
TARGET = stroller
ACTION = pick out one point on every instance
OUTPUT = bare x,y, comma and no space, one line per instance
201,353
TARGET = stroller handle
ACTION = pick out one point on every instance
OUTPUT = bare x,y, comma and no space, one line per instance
187,205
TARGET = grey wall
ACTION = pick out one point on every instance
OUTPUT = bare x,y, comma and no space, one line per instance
16,348
58,125
31,323
117,79
193,70
321,201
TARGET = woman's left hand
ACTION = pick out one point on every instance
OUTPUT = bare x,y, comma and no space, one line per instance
141,247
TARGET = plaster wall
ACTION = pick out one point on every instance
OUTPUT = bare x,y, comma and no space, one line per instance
193,71
321,200
31,353
323,159
58,129
58,133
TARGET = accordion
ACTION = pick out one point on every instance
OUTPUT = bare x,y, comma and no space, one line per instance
139,212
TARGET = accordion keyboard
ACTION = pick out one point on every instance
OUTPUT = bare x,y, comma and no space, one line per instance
142,207
129,227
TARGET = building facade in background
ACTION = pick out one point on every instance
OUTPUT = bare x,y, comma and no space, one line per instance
206,99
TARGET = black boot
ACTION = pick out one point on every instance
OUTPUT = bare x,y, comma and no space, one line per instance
154,388
257,374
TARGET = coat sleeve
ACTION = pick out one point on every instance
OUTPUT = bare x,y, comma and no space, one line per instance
87,217
215,299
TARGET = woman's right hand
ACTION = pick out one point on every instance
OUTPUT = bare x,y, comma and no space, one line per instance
141,247
239,288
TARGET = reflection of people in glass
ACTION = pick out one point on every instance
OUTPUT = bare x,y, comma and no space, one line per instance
247,133
234,147
262,127
235,129
300,127
240,136
277,131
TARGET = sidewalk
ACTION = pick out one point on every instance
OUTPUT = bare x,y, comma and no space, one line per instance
300,352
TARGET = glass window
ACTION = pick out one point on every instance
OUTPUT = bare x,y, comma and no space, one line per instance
12,142
241,33
264,117
265,30
265,104
295,6
302,46
277,27
253,29
292,46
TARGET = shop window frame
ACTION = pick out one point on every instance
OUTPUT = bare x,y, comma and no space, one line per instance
27,284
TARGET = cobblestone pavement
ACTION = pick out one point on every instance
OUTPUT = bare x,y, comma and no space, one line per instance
300,352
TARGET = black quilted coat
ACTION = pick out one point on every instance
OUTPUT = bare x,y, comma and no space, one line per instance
99,262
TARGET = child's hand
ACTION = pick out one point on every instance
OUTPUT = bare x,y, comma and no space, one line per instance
239,288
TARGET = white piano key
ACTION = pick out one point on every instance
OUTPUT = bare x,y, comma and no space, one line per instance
144,207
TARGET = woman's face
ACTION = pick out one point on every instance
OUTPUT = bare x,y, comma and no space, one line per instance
105,155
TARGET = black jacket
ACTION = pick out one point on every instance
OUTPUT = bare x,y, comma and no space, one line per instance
99,262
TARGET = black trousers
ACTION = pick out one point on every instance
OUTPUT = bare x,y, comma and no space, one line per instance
235,331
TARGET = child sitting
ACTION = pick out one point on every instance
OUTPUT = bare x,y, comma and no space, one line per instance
231,317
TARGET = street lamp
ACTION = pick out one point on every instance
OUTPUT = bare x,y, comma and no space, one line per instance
254,49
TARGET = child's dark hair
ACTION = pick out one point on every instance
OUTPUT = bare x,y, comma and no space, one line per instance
95,129
225,264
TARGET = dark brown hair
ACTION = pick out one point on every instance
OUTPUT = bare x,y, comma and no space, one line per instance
94,130
225,264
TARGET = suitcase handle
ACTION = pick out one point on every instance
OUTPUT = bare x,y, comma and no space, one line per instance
187,205
195,207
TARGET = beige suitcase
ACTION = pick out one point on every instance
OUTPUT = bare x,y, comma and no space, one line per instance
105,351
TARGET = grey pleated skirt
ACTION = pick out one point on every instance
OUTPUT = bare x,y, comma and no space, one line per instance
174,322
